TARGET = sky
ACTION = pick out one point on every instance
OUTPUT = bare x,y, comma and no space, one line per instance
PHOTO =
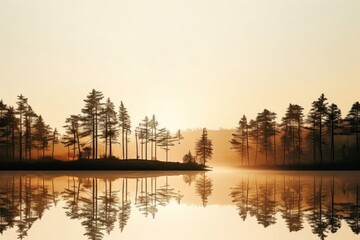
192,63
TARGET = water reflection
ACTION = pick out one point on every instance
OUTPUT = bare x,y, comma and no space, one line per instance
23,200
321,201
318,203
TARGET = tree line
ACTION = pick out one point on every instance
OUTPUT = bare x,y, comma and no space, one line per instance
322,134
22,131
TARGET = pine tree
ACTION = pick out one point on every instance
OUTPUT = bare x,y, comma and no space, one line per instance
204,147
333,122
353,118
240,140
145,132
55,140
291,126
317,118
254,135
72,134
266,121
90,120
166,141
154,135
41,134
108,123
125,126
22,103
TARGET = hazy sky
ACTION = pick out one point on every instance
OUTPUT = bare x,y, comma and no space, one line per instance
193,63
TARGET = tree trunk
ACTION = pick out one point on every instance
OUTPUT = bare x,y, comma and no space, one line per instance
155,145
53,148
96,132
93,137
13,143
247,146
110,146
20,138
122,140
314,142
332,144
152,144
126,144
274,145
299,141
320,140
137,147
146,143
78,142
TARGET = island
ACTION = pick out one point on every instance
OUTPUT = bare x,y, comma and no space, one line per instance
104,164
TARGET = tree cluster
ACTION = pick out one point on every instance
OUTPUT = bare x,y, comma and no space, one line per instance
22,131
295,137
100,120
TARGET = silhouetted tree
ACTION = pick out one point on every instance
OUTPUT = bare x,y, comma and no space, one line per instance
154,137
108,123
55,140
42,134
72,134
178,136
317,117
240,140
254,135
353,118
28,123
266,121
90,120
291,126
22,103
204,147
189,158
333,122
125,125
166,140
9,125
145,132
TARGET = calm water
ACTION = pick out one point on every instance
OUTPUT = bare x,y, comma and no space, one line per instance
222,204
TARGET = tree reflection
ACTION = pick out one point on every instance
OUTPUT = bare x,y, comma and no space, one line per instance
324,202
240,195
267,204
292,204
353,217
203,188
125,207
151,196
108,210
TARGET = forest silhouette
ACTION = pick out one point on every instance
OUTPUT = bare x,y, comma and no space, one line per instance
322,139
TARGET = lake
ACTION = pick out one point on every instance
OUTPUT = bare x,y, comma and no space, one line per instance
226,203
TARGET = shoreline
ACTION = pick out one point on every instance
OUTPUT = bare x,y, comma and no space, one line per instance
99,165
